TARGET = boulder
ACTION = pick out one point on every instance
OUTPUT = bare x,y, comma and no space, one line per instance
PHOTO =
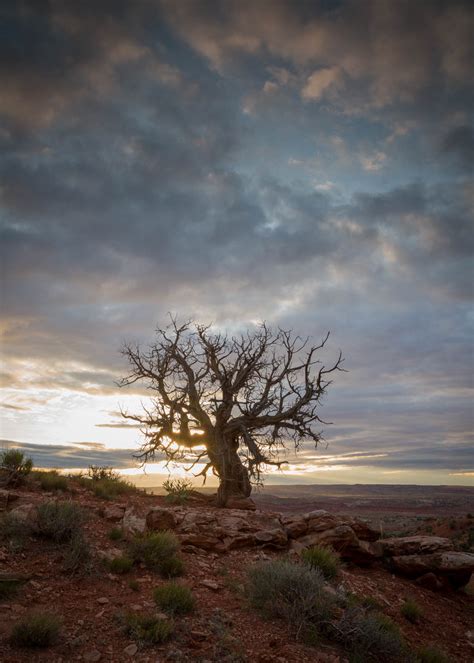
413,545
242,503
114,513
456,567
159,518
133,522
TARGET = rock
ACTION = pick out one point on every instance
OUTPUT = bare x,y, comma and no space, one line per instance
131,650
114,513
413,545
109,553
25,512
456,567
275,538
159,518
103,600
210,584
429,581
133,522
363,530
93,656
295,526
242,503
6,498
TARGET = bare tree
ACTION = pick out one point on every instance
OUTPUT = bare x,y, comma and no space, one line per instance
232,403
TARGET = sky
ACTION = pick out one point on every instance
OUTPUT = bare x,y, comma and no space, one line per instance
304,163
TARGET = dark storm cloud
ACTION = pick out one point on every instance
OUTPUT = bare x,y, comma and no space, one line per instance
307,163
73,456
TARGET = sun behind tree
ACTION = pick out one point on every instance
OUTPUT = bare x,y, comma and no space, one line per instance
233,403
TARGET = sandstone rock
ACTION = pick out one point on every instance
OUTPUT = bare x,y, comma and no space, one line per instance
243,503
25,512
159,518
413,545
210,584
103,600
133,522
363,530
295,526
93,656
429,581
114,513
456,567
6,498
131,650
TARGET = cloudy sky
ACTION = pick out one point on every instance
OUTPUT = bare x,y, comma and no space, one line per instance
305,163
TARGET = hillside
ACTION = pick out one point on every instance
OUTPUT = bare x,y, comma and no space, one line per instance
99,602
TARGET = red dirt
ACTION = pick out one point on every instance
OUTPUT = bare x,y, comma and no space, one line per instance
89,625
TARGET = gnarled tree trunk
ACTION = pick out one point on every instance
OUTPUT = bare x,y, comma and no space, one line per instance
234,481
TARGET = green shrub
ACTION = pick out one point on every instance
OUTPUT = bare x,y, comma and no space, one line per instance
292,592
370,636
97,473
78,556
148,629
431,654
14,531
14,467
36,630
324,559
51,480
172,567
411,611
174,598
9,586
116,534
178,490
120,565
59,521
155,550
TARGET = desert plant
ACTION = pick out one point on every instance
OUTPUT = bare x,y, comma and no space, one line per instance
14,531
51,480
9,586
98,473
324,559
120,565
116,534
134,585
173,598
172,567
411,611
178,490
36,630
155,550
292,592
370,637
78,555
59,521
148,629
431,654
14,467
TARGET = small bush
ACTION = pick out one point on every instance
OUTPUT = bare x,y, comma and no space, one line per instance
36,630
10,586
371,637
174,598
51,480
14,531
59,521
431,654
134,585
324,559
116,534
411,611
120,565
147,629
172,567
97,473
292,592
155,550
14,467
78,556
178,490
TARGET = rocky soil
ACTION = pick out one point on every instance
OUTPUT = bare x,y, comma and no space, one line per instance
218,548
